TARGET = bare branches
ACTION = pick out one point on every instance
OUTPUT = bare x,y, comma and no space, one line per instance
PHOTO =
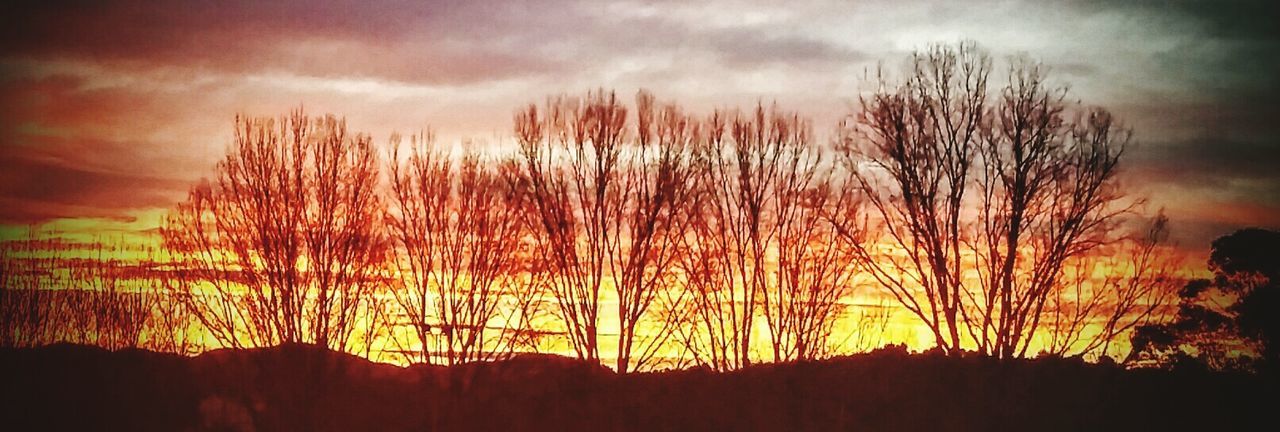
911,151
984,214
458,230
977,207
813,272
1107,296
1047,196
284,245
26,318
655,196
745,162
571,158
420,188
95,298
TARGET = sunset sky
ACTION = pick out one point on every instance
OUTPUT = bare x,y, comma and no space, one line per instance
111,111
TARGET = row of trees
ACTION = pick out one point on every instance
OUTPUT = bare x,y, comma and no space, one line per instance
47,297
992,217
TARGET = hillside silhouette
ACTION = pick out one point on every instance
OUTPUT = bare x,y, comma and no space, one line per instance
303,387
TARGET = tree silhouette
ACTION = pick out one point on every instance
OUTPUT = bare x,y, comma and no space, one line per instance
284,244
1227,322
911,150
608,198
1047,195
459,232
571,158
29,312
110,311
49,296
992,215
656,193
979,203
1138,281
754,168
812,272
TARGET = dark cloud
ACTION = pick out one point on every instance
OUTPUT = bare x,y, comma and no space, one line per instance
1213,184
1198,77
1075,69
1228,19
34,188
736,46
749,47
1216,134
62,155
1235,53
447,42
1231,19
1239,171
436,42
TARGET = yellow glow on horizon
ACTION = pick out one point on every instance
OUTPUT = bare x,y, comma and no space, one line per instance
138,234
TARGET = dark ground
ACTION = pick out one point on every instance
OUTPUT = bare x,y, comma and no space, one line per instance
65,387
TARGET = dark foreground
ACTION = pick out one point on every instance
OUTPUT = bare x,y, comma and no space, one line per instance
302,388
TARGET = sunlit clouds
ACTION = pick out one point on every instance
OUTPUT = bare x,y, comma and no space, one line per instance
111,110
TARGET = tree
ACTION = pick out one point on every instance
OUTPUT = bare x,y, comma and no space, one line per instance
608,201
752,168
173,327
458,229
656,191
114,303
1227,322
101,299
813,273
29,309
978,206
1047,195
571,158
1105,296
911,150
284,244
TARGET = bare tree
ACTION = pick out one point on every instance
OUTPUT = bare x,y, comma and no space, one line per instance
1047,195
283,245
571,158
655,193
523,313
813,271
102,299
459,230
113,301
27,307
172,326
422,190
910,150
744,162
1105,296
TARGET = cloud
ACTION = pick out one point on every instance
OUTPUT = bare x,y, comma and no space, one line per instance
71,151
112,97
1232,19
35,186
435,42
1199,160
744,47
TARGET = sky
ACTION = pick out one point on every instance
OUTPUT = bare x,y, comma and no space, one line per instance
110,111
